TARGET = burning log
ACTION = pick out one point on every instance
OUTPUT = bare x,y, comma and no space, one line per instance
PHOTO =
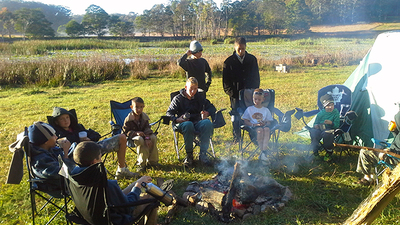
227,204
372,206
212,196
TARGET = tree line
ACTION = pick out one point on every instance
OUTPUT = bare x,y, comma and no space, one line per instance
200,18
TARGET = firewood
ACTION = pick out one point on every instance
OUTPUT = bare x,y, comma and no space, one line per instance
372,206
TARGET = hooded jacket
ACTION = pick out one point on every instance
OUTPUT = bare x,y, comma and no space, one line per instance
180,105
131,127
73,134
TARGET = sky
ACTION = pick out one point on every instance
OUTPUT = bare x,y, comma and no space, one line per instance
78,7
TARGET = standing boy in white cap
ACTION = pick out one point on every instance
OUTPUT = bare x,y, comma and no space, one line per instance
195,66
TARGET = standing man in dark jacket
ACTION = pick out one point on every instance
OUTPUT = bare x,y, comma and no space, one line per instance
190,111
240,72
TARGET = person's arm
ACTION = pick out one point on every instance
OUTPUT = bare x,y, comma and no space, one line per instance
336,120
173,109
182,61
45,167
208,76
227,83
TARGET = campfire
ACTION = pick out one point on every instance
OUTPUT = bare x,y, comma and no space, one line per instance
235,193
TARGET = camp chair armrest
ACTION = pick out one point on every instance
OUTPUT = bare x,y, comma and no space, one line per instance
311,113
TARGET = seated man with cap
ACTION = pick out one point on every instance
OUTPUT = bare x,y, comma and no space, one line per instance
327,120
44,156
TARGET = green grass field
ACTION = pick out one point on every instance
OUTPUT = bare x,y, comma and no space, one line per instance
323,192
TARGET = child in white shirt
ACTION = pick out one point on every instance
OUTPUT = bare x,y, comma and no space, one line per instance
259,118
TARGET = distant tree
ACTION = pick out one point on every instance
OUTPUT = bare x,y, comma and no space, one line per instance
57,15
32,22
298,17
142,22
273,15
120,28
95,20
7,21
74,29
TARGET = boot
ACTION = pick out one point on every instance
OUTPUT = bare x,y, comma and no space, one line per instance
188,162
204,159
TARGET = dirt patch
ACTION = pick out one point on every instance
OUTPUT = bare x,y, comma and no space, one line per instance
345,28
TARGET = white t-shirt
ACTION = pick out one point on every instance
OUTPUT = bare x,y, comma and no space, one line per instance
256,115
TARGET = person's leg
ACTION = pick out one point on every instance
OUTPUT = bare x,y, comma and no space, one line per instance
367,160
328,137
151,217
315,135
142,152
266,137
260,137
117,143
153,154
187,130
206,129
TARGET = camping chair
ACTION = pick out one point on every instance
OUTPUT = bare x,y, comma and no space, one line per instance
281,122
119,111
89,193
37,186
217,119
342,100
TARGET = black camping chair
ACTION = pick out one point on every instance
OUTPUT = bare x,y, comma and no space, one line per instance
89,193
281,122
55,197
217,119
342,99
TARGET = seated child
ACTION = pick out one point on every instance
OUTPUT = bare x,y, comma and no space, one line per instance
66,125
88,153
327,120
137,128
44,156
259,118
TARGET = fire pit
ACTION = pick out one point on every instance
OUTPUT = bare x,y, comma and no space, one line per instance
234,193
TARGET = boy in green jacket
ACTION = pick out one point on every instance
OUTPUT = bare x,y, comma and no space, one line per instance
327,120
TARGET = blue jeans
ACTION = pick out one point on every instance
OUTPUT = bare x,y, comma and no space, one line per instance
205,129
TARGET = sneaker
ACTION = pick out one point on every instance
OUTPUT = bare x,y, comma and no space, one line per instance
188,162
327,157
125,173
264,159
204,159
365,182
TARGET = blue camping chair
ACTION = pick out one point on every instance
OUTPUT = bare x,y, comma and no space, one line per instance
119,111
281,122
342,99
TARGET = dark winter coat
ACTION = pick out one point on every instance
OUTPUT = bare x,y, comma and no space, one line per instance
180,105
237,76
197,68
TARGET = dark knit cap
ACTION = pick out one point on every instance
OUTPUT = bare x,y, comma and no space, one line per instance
40,132
326,99
85,152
